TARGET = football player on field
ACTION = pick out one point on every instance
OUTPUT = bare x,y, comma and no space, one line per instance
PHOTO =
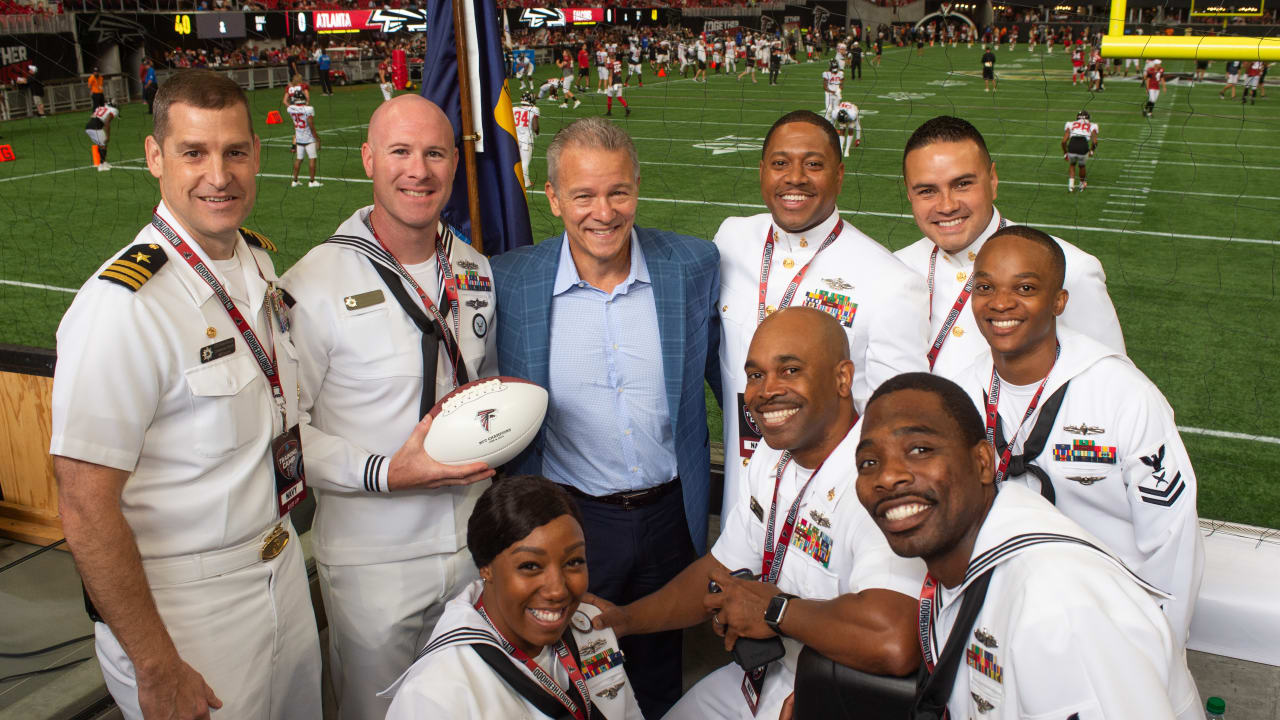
296,88
384,79
1077,63
1153,80
526,117
306,140
1079,142
99,131
848,117
832,82
615,87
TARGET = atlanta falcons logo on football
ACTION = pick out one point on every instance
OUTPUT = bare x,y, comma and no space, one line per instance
485,416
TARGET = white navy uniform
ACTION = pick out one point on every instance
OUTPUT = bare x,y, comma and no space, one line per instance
1117,465
387,562
450,680
1065,630
879,302
1089,309
153,378
836,549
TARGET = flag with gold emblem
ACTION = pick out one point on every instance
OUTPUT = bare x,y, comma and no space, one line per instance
501,184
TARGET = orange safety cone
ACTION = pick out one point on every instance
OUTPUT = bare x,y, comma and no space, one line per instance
662,72
273,118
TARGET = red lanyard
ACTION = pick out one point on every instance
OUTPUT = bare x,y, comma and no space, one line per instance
267,362
993,415
450,284
775,554
551,686
766,265
956,308
928,600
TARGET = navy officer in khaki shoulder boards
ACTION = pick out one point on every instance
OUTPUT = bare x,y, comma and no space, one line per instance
391,313
176,439
827,578
951,183
802,253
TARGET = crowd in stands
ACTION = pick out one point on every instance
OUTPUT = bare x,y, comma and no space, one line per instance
32,7
250,54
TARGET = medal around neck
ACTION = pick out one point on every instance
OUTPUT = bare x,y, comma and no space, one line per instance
490,421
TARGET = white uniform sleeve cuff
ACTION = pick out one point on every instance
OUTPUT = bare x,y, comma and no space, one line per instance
375,474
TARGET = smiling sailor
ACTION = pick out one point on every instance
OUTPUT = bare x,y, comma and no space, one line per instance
802,253
1078,422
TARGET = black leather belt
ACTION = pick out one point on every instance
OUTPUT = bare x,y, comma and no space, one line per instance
629,500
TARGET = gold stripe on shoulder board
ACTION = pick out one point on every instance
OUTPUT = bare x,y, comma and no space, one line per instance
257,239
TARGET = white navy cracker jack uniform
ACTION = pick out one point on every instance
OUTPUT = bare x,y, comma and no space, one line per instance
1089,309
387,562
1065,631
451,680
154,378
881,304
835,549
1116,463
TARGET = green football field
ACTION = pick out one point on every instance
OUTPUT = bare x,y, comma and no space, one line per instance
1181,209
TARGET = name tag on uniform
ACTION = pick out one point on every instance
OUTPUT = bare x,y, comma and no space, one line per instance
209,353
291,479
364,299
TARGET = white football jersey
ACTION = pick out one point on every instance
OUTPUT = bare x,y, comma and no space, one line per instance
1082,127
524,113
833,80
302,115
105,113
850,109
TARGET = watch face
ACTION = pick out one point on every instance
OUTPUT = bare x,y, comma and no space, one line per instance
773,614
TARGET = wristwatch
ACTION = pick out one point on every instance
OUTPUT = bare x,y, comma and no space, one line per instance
776,611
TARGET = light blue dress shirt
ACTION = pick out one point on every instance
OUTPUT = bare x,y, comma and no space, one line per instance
608,428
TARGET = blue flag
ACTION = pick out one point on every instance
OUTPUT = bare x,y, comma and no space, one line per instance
504,210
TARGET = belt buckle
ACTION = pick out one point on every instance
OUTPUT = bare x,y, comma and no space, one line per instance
274,544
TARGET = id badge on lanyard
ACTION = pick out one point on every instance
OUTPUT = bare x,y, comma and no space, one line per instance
286,448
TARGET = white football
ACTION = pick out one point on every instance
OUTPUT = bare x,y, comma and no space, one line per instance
490,420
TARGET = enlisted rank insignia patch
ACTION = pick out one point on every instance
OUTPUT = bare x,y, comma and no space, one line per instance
837,306
257,239
600,662
610,692
1163,491
983,636
471,280
756,509
364,299
984,661
135,266
1083,429
212,352
812,542
1084,451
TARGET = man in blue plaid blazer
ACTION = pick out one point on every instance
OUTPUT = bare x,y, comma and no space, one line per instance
619,323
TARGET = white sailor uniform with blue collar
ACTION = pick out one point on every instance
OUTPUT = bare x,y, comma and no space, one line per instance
451,680
1117,464
1065,630
153,378
387,562
836,548
881,304
1089,309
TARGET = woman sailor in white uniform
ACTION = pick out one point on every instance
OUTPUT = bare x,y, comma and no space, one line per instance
518,643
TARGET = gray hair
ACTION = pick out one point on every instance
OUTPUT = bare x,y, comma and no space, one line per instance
594,133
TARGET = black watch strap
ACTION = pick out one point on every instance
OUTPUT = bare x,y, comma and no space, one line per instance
774,614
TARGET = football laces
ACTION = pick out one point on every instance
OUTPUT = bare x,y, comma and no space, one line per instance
472,393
